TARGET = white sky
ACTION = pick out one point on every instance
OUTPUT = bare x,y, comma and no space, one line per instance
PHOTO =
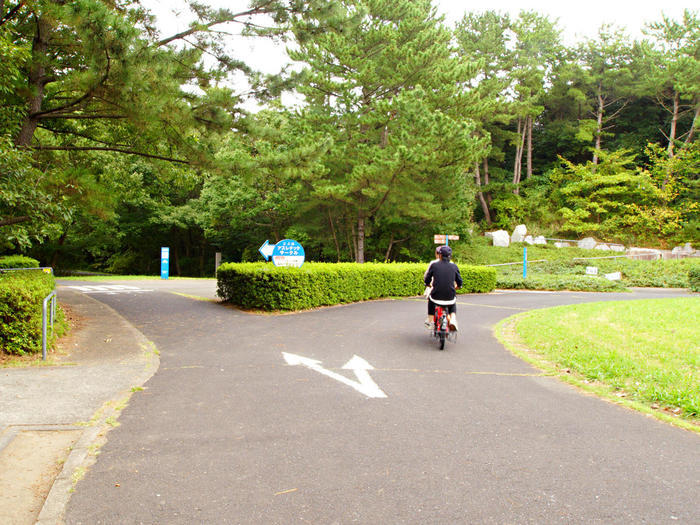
576,19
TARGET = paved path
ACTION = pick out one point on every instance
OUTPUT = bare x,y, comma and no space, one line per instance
228,432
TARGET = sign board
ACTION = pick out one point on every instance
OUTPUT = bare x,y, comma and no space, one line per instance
288,252
164,262
266,250
616,276
442,239
591,270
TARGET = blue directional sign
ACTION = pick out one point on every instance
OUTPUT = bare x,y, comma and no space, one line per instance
288,252
266,250
164,262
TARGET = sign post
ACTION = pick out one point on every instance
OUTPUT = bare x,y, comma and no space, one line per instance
444,239
525,262
164,262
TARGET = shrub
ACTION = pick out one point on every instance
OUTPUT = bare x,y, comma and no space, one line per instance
694,278
559,282
18,261
263,286
21,297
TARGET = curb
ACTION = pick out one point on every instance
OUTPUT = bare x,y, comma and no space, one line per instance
82,455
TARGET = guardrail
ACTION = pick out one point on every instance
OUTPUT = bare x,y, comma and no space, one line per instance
47,269
51,297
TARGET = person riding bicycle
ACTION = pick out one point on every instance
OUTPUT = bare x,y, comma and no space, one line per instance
445,279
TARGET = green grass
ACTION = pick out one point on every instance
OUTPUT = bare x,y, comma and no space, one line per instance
647,351
560,271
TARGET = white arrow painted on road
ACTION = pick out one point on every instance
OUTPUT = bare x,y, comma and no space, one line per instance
364,384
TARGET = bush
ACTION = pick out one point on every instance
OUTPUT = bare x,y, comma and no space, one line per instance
694,278
571,282
263,286
21,297
18,261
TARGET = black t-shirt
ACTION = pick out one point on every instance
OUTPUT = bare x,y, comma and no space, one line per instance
444,275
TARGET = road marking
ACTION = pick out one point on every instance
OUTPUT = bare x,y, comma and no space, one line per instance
109,289
364,384
475,373
480,305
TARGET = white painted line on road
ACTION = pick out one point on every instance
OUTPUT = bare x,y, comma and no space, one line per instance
109,289
481,305
364,384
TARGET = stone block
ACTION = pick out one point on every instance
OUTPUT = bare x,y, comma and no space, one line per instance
519,233
587,244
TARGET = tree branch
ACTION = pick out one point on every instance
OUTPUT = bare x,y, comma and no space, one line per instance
107,148
203,27
14,220
79,100
12,12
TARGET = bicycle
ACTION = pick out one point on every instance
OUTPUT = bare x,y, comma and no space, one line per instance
441,328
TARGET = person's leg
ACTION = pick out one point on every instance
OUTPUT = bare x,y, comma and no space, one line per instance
452,318
431,314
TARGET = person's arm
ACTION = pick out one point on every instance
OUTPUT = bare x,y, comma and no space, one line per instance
458,277
428,277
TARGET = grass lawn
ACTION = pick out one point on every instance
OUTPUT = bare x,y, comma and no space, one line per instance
643,353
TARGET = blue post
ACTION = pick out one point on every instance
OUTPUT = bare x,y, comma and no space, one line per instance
525,262
164,262
447,240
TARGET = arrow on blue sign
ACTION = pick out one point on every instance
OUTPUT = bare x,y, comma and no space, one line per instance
266,250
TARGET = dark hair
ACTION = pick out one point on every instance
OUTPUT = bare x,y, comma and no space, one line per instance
446,252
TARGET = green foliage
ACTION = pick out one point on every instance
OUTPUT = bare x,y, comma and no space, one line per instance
613,200
18,261
263,286
21,297
694,278
559,282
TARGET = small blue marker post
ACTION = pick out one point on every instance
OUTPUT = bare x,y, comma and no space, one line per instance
525,263
164,262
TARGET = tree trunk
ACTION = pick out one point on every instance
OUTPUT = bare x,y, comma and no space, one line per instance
488,195
674,124
335,238
480,194
599,128
37,83
518,167
529,147
176,255
360,255
689,138
61,241
388,250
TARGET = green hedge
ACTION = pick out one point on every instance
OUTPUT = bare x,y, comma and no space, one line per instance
265,287
694,278
18,261
577,283
21,297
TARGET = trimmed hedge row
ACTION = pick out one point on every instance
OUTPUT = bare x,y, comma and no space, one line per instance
21,297
266,287
579,283
694,279
18,261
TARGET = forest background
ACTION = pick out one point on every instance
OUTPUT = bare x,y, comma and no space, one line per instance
117,139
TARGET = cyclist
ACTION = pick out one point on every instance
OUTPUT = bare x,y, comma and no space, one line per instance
446,279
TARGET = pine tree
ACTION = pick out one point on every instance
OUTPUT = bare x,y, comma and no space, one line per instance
384,85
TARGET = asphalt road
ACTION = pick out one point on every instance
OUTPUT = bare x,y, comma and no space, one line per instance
228,432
